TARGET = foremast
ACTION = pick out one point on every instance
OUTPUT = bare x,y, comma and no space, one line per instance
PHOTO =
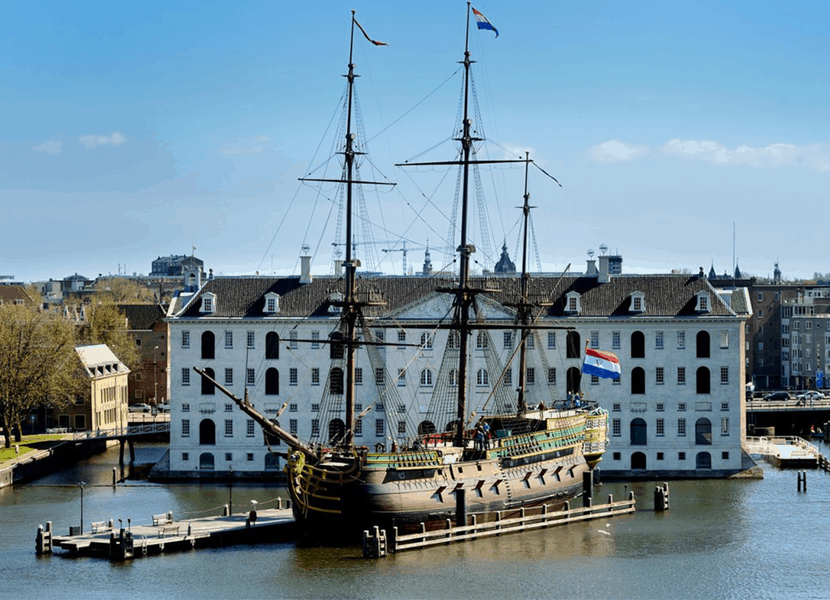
524,307
350,304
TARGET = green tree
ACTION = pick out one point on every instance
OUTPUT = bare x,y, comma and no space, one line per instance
104,323
38,364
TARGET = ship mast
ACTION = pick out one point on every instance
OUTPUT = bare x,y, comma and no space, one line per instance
350,304
524,307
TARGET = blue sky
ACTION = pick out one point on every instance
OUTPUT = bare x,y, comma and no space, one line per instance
133,131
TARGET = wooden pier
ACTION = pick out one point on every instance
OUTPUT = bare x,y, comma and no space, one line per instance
168,535
376,543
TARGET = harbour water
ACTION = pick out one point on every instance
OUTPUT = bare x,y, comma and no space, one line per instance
720,539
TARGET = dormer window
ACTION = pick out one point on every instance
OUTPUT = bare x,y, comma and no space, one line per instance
209,303
572,304
272,303
702,302
335,297
638,302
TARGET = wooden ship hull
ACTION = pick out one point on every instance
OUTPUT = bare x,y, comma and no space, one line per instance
343,493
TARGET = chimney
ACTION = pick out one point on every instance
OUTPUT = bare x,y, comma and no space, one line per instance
305,269
604,276
591,269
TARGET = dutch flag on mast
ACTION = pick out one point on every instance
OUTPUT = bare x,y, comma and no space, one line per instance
483,23
601,364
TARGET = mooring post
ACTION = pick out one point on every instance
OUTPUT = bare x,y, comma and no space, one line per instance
587,488
460,507
114,477
132,451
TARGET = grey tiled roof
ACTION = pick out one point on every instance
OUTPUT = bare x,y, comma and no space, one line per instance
141,316
665,295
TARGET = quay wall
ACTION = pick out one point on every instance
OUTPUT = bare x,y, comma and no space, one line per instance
43,462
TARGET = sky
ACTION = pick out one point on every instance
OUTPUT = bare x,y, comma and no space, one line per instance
133,131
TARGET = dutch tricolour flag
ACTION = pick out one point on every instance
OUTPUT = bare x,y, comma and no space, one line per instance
483,23
601,364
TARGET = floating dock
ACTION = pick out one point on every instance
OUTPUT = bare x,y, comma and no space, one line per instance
168,535
785,451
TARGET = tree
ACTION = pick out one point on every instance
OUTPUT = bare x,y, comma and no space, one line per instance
38,363
121,290
104,323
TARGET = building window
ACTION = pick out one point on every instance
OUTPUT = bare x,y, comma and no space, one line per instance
552,376
315,427
208,345
250,428
251,340
595,340
185,456
185,427
508,340
616,407
702,381
401,336
315,339
228,427
658,376
658,340
724,339
724,426
573,345
426,377
681,340
358,376
681,375
681,427
292,340
638,380
702,344
530,376
358,427
724,375
482,377
616,427
229,407
594,380
292,376
724,406
379,378
426,341
186,407
660,407
681,456
292,426
315,376
228,376
508,376
185,339
229,339
379,432
481,341
530,341
551,340
660,428
638,345
615,340
185,376
402,378
250,377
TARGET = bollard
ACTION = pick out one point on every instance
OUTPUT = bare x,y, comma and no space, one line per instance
225,511
587,488
279,503
114,477
460,507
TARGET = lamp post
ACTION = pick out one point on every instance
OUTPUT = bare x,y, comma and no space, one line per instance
81,485
155,378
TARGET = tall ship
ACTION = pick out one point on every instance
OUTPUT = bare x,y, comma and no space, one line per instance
502,454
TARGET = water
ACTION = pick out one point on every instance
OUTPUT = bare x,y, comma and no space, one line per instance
720,539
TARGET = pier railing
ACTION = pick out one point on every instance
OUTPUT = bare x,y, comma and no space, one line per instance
526,519
121,432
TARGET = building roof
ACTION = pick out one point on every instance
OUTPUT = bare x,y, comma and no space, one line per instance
142,316
9,294
663,295
98,360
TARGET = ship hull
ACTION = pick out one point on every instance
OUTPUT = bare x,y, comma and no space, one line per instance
341,495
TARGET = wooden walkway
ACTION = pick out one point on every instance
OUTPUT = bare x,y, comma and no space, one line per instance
166,535
785,451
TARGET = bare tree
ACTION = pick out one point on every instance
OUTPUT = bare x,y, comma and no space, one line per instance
104,323
38,364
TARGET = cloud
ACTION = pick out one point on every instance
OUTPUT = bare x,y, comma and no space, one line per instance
616,151
814,156
93,140
50,147
239,145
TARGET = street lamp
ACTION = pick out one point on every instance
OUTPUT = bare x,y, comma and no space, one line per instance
155,378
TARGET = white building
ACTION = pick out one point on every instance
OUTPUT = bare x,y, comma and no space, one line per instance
676,411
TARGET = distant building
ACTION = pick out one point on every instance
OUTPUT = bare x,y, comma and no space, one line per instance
15,294
174,265
104,404
146,325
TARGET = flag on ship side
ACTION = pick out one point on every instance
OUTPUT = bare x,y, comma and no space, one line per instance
601,364
483,23
375,42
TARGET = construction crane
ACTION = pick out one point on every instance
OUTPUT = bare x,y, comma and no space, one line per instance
403,250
